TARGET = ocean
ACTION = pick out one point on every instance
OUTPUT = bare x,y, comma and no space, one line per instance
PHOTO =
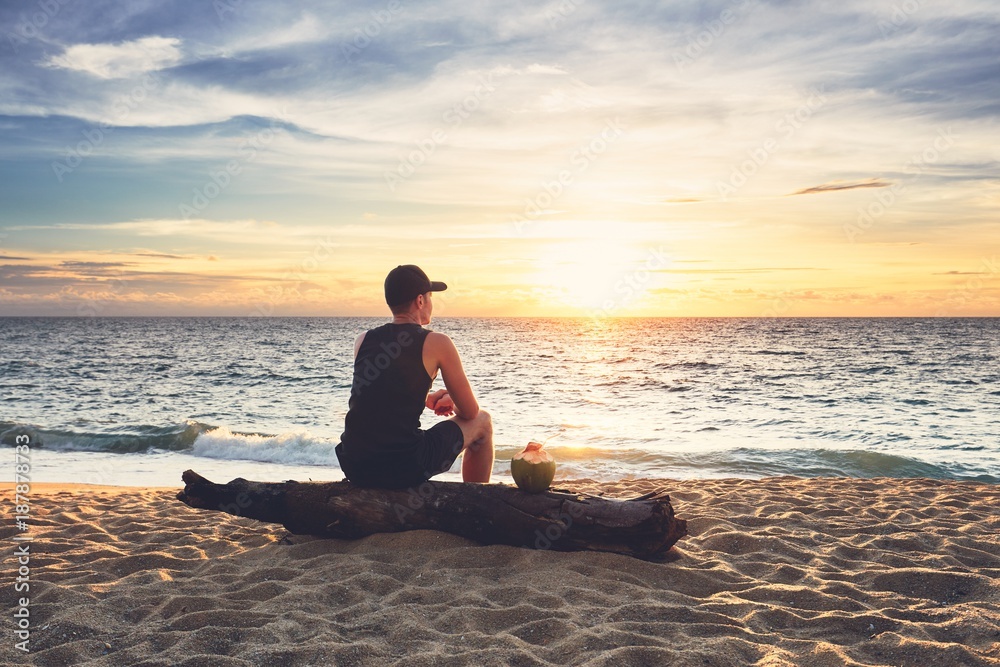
136,401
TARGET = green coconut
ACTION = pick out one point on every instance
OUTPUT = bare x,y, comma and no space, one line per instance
533,469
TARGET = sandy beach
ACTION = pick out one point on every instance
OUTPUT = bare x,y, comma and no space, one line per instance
782,571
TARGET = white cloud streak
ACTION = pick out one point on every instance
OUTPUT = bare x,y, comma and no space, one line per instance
122,60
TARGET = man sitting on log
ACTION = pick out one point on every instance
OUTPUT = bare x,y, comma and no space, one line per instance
394,368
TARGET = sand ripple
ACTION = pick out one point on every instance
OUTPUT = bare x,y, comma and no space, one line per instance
782,571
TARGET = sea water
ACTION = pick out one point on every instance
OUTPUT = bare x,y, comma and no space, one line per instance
135,401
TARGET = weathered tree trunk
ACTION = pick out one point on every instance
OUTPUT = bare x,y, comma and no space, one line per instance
644,527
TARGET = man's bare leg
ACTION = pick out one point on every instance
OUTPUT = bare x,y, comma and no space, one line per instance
477,450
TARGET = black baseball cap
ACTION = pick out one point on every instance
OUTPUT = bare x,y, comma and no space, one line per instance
406,282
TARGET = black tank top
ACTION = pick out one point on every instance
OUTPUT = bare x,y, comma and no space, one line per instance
388,393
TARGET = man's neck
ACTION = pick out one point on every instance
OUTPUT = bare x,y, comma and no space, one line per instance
406,319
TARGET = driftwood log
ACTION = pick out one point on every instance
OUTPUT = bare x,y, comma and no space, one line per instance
644,527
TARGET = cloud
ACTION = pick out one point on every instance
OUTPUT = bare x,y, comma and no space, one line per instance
160,254
747,270
308,28
537,68
842,185
12,257
242,231
963,273
122,60
86,268
69,273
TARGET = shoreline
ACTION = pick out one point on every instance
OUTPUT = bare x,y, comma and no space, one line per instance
778,571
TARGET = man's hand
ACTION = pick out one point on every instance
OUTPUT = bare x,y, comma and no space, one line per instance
440,402
445,407
433,398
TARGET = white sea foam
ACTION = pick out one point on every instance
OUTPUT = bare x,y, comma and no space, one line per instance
294,448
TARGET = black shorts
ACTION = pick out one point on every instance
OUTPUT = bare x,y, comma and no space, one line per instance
436,452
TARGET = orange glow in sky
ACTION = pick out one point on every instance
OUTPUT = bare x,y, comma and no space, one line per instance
579,160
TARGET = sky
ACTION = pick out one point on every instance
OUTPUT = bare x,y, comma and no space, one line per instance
564,158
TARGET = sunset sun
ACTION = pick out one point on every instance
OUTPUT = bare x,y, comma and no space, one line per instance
592,274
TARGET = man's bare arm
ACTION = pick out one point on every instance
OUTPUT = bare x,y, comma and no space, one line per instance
444,352
357,343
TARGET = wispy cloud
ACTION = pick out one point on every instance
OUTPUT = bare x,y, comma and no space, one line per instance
122,60
243,231
844,185
103,272
161,255
94,268
963,273
747,270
